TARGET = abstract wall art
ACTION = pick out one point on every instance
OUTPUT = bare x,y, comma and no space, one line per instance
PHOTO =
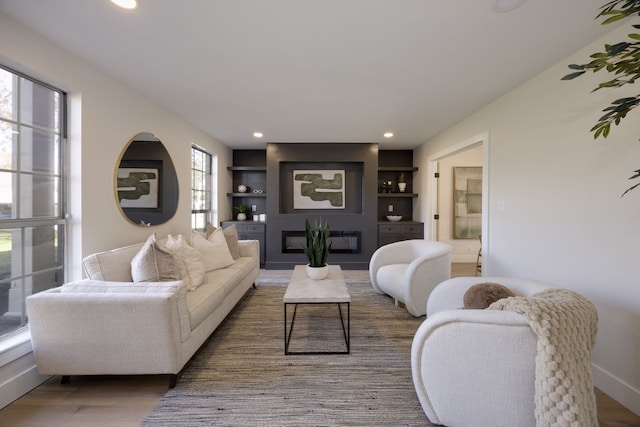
318,189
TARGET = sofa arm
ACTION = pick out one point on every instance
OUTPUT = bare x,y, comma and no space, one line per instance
90,332
449,295
249,248
465,361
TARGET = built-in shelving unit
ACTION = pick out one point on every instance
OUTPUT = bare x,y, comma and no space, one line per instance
249,169
392,201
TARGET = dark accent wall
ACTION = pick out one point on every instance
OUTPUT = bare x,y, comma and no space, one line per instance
360,211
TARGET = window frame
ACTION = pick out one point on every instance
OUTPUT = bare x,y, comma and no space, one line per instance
206,176
23,279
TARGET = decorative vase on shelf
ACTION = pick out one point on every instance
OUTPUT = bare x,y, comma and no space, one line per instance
402,183
242,188
241,216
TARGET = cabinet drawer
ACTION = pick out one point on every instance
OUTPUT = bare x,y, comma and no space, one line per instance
399,228
390,229
412,228
250,228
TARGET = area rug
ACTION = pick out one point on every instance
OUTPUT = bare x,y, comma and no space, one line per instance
241,377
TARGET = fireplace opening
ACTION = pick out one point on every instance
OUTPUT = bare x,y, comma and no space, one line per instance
342,242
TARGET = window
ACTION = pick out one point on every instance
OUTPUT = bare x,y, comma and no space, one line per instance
201,180
32,208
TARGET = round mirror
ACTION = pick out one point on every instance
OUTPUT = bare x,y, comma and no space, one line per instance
146,182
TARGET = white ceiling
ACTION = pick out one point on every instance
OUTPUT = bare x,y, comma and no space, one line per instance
318,70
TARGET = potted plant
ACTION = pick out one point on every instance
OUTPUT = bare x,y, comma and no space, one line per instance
242,212
318,245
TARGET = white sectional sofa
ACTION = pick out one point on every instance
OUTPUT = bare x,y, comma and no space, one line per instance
109,324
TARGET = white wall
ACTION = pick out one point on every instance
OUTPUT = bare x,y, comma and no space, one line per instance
104,115
563,219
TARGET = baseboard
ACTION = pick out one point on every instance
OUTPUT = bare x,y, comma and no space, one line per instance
20,385
18,374
616,388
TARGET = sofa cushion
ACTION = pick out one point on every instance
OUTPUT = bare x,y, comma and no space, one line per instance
214,250
153,264
389,278
188,260
208,297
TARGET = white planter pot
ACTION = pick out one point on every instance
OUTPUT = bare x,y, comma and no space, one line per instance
241,216
317,273
402,186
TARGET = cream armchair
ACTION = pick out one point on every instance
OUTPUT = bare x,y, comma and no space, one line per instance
408,270
475,367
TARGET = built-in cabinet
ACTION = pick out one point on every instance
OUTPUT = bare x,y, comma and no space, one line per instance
249,189
249,185
395,231
394,167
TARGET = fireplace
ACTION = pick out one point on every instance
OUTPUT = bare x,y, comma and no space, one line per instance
345,242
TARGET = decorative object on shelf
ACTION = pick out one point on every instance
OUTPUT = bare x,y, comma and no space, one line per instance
318,245
402,183
242,212
242,188
394,218
387,186
256,217
258,191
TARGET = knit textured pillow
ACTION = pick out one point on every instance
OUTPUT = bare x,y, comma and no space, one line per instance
482,295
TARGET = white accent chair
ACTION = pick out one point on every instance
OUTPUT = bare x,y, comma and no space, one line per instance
408,270
475,367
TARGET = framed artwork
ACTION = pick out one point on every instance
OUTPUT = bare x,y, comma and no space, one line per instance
467,200
139,187
318,189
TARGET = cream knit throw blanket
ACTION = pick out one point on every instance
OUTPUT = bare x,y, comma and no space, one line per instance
566,324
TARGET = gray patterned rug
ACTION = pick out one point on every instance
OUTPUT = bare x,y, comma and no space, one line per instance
241,377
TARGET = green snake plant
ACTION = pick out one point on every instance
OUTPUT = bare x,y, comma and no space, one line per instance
318,243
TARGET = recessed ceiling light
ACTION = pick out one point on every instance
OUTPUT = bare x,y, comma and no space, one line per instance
502,6
388,134
258,134
126,4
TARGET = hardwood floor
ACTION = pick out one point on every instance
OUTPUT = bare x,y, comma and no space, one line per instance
123,401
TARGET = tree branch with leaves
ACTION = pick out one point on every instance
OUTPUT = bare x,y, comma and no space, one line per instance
623,60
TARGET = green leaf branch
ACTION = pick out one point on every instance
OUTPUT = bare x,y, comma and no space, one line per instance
620,59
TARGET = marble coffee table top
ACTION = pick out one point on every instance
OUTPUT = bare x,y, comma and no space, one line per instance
302,289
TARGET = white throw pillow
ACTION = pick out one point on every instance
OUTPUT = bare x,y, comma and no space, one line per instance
153,264
189,261
230,234
214,250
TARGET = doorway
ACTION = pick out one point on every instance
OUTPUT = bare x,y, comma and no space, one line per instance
441,209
